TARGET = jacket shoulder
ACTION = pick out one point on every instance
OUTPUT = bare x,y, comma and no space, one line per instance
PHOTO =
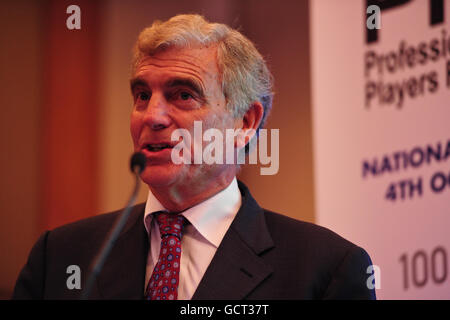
83,239
94,226
284,227
329,266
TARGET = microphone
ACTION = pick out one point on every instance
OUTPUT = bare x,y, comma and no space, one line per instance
138,162
137,165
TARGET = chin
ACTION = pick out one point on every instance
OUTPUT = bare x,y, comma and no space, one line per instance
159,176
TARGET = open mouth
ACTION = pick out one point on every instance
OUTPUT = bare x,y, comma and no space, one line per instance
157,147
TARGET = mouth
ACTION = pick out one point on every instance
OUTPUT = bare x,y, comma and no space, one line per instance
155,147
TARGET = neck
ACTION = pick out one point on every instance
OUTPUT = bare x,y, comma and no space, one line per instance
177,198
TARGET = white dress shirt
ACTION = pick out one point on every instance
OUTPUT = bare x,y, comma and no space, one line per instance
209,221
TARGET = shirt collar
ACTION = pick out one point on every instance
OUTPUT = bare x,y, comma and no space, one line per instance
211,218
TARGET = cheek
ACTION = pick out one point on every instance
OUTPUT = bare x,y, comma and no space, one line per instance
135,127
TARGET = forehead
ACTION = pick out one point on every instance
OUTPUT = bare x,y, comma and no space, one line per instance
200,63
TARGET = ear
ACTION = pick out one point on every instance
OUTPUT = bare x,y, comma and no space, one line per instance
249,124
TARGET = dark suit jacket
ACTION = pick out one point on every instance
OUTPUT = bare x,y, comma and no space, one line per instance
264,255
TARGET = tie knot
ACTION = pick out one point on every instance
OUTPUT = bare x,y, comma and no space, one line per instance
170,224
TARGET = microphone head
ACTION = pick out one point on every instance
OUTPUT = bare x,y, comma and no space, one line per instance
137,162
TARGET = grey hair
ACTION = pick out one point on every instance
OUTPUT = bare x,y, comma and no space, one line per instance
244,74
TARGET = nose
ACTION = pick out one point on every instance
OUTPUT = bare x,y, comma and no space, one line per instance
157,115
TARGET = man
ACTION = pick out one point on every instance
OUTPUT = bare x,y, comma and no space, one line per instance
200,235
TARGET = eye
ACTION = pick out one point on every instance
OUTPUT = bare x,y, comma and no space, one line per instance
144,96
185,95
184,99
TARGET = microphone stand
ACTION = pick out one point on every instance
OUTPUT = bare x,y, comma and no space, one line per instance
108,244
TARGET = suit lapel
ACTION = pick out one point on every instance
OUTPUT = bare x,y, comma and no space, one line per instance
237,267
123,275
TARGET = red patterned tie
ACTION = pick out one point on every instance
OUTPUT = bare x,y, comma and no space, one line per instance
163,284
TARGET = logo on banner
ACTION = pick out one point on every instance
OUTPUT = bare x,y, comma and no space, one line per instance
381,69
376,7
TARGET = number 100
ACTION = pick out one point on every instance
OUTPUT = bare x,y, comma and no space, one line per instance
420,267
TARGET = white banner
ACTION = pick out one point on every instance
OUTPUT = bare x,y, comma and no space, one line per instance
381,121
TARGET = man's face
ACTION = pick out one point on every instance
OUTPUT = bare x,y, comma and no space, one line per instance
171,90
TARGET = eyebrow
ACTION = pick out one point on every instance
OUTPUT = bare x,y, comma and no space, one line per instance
186,82
175,82
135,82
